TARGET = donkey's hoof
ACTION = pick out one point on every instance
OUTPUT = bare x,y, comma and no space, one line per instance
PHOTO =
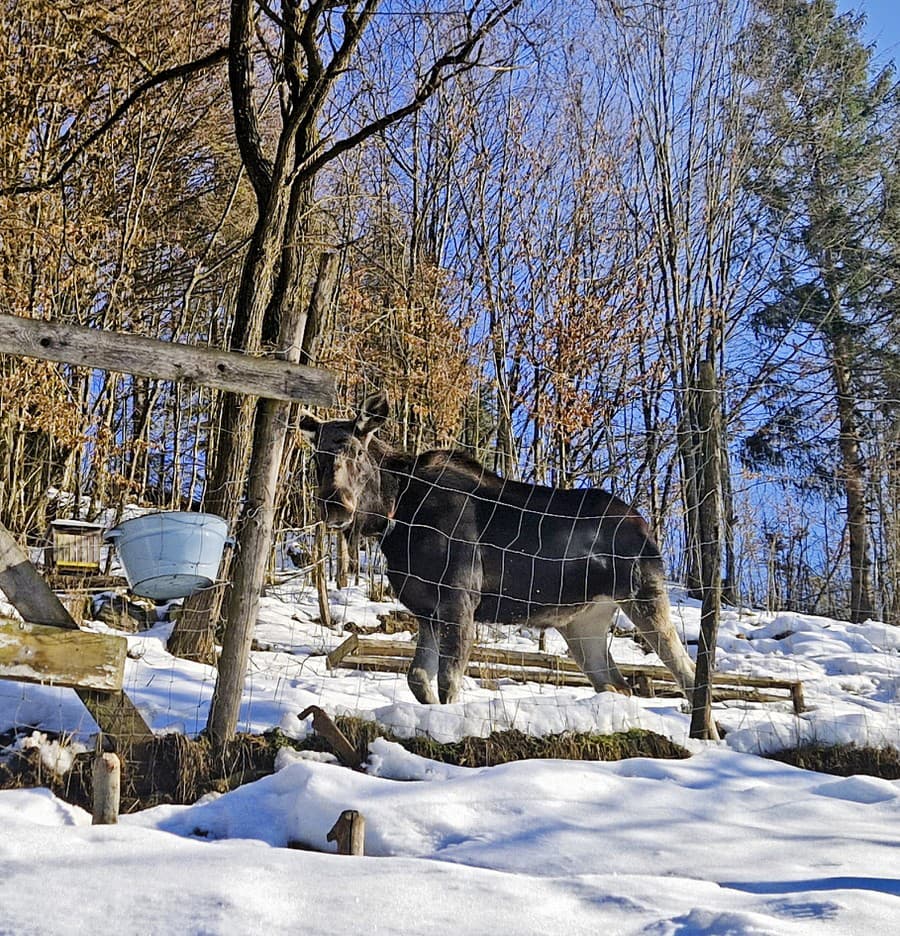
421,688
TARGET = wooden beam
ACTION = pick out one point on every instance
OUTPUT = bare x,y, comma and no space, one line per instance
37,653
25,589
273,378
120,721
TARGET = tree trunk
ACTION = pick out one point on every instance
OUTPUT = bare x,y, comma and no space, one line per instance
709,525
854,482
690,491
255,533
257,525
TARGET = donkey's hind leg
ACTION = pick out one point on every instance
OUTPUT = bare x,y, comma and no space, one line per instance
424,666
649,611
587,636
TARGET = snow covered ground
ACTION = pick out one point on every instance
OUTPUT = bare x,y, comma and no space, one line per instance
723,843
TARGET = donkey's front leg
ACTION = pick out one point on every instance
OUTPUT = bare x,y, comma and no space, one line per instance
424,666
456,645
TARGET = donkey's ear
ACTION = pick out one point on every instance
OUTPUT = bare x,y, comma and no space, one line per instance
309,426
372,415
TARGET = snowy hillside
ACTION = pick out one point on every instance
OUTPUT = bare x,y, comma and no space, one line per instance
724,842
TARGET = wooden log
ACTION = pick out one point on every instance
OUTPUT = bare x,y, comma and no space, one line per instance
323,725
406,649
488,663
37,653
490,676
350,833
106,776
272,378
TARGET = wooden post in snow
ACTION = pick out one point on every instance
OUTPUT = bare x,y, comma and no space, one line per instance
107,786
350,833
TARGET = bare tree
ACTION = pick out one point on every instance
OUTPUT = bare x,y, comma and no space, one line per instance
315,48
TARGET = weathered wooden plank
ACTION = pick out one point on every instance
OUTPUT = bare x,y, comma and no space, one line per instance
80,659
25,589
392,656
274,378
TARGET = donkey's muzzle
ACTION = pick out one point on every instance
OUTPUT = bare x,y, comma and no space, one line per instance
335,514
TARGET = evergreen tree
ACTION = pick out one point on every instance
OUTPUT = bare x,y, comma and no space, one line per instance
825,125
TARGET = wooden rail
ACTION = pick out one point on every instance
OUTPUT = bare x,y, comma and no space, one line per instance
486,663
274,378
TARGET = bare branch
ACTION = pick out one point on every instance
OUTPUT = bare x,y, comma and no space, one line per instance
446,67
160,78
246,119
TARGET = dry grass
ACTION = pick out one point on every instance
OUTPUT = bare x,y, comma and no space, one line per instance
844,760
173,769
177,769
501,747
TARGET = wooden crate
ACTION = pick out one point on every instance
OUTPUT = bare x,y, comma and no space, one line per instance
75,546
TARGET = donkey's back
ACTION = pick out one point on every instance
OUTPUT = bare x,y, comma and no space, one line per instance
532,552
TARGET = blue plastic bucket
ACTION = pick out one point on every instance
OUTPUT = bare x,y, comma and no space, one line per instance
170,554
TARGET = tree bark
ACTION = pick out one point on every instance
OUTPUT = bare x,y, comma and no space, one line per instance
709,527
853,477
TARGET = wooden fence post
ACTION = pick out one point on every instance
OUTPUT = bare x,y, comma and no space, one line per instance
350,833
107,786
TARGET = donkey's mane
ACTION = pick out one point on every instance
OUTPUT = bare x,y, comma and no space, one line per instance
434,463
458,460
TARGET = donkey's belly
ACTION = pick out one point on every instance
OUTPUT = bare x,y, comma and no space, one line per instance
517,588
534,613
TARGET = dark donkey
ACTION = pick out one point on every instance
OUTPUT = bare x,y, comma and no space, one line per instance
464,545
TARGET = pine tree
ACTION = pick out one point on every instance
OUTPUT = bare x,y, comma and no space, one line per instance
825,173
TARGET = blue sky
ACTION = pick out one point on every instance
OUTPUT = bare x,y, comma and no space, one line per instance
883,26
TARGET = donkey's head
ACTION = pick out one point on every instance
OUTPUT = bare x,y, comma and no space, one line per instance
346,474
